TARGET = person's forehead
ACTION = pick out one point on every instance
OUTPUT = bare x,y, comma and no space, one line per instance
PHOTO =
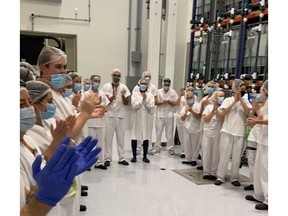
143,81
116,73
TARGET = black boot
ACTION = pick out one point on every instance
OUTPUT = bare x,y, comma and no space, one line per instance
134,148
145,150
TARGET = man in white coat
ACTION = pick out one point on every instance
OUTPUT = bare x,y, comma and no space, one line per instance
261,160
166,102
117,94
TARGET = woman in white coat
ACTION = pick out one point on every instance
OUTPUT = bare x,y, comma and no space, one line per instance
142,103
261,160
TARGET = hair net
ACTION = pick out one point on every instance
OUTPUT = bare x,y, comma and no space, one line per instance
139,82
145,74
116,70
216,95
216,85
37,90
27,72
265,86
236,84
86,80
49,54
74,75
93,76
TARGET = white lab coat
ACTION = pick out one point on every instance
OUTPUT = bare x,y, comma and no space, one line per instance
96,126
210,142
114,120
232,139
261,162
141,124
26,176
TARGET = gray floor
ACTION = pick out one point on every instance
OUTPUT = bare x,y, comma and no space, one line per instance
146,189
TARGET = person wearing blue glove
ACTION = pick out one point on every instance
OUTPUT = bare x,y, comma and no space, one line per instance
56,178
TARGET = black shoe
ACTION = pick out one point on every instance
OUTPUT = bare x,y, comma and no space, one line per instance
107,163
134,160
146,160
83,208
101,166
124,162
218,182
199,168
251,198
182,155
193,163
249,187
236,183
187,162
84,187
84,193
211,177
261,206
206,177
199,157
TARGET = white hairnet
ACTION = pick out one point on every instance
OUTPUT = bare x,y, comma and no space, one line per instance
236,84
49,54
216,95
74,75
139,82
27,72
37,90
146,73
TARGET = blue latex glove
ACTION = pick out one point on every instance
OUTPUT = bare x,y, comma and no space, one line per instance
88,156
56,178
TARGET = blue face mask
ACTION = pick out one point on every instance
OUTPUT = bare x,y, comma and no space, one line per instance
95,85
51,109
143,87
67,92
116,79
190,101
87,87
166,88
27,118
210,90
77,87
220,100
58,81
259,98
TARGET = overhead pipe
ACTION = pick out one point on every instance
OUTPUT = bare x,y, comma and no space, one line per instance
34,15
129,37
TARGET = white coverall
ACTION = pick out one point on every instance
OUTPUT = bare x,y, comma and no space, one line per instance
26,176
154,91
165,117
191,133
115,121
232,138
96,126
261,162
210,142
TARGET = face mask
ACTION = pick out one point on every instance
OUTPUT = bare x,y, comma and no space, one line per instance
77,87
166,88
115,79
86,87
210,90
27,118
259,98
220,100
243,93
147,79
95,86
67,92
51,109
58,81
190,101
143,87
